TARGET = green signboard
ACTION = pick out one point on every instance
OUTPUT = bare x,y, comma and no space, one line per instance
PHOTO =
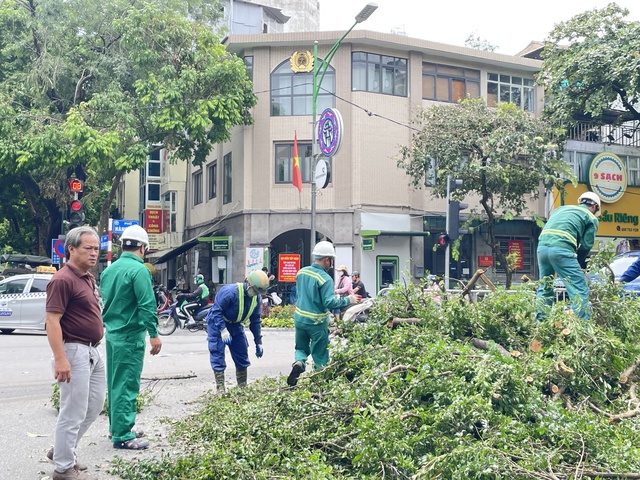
368,244
218,244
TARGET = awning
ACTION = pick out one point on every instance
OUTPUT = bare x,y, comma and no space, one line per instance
163,256
392,233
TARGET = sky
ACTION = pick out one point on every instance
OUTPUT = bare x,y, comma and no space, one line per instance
510,25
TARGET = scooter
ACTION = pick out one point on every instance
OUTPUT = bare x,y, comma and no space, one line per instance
358,312
162,297
172,318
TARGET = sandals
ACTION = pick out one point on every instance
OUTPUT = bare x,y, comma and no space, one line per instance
138,433
133,444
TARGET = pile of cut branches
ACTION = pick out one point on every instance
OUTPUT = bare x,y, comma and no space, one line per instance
477,390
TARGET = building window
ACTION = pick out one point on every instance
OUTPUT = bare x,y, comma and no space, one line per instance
197,188
292,93
248,64
507,88
449,84
284,162
375,73
170,211
226,182
153,164
212,179
633,171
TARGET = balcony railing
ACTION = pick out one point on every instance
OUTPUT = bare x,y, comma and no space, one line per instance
627,135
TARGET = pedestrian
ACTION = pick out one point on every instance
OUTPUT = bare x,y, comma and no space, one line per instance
358,286
563,246
343,287
234,305
129,314
74,330
316,298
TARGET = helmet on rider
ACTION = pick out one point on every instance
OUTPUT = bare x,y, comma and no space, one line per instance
323,249
589,199
258,283
134,236
198,279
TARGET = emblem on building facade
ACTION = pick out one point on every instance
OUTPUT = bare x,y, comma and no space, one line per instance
301,62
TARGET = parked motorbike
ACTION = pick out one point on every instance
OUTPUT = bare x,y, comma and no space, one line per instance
162,297
172,318
269,300
358,312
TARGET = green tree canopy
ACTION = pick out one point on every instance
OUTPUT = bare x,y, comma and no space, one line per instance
592,64
88,87
502,155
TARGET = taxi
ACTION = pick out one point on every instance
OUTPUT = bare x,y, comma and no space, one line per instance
22,302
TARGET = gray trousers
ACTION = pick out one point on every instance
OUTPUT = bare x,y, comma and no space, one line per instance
81,401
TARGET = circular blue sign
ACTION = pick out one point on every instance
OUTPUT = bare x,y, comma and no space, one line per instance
58,248
330,132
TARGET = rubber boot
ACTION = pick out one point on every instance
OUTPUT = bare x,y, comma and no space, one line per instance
241,376
220,381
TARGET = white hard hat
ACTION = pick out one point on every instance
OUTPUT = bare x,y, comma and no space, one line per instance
134,235
590,198
323,249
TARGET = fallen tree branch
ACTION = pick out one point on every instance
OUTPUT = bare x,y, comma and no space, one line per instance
401,321
484,345
169,377
629,370
618,416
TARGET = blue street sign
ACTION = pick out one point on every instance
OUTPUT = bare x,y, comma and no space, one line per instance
104,242
120,225
57,251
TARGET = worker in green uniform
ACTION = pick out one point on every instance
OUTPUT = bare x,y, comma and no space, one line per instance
565,242
316,299
129,314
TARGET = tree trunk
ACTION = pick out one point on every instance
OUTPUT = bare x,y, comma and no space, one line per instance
106,206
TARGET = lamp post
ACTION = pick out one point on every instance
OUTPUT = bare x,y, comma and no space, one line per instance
322,68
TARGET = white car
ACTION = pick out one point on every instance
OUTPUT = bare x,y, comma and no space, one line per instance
22,302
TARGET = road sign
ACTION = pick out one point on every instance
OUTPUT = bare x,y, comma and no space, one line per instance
57,251
120,225
104,242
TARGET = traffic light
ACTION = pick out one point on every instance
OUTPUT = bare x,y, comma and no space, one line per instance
443,240
76,215
453,211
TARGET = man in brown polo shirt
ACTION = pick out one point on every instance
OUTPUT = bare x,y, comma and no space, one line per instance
74,329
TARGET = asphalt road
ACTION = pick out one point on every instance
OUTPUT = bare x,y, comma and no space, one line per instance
27,417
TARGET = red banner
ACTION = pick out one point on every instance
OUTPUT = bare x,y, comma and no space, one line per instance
517,247
153,220
288,266
485,261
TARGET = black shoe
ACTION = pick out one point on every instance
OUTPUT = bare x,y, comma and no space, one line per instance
297,369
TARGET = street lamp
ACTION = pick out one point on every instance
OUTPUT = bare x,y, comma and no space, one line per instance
364,14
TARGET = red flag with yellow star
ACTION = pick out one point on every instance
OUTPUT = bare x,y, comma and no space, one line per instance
297,176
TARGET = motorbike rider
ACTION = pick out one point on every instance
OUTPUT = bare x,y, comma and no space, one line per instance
198,298
235,304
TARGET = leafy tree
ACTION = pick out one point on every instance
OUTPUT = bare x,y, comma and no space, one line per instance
89,87
501,154
475,41
591,64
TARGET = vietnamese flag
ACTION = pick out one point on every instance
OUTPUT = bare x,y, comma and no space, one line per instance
297,177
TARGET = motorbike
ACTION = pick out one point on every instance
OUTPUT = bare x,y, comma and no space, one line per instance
162,297
358,312
172,318
269,300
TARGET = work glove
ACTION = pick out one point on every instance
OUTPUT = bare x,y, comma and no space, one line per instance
353,299
226,336
259,350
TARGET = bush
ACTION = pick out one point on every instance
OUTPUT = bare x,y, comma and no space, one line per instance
280,316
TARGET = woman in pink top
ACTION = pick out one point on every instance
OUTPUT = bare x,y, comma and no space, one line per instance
343,287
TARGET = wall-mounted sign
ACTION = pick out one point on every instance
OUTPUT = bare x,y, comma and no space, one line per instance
288,266
153,220
330,132
254,259
323,173
516,247
301,62
485,261
368,244
608,177
220,244
120,225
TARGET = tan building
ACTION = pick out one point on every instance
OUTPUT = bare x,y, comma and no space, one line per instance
380,226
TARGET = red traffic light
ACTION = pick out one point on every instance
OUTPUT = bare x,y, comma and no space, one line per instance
76,206
443,240
76,185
